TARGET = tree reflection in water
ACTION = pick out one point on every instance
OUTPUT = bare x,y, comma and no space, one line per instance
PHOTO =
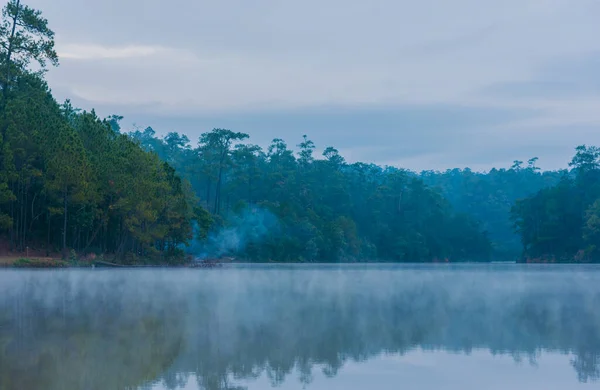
129,329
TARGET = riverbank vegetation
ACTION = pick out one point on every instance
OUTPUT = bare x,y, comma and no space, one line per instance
71,181
562,223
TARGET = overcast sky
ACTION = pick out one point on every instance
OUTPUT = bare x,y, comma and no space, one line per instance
428,84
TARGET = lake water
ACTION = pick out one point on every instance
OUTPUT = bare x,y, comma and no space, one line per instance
302,327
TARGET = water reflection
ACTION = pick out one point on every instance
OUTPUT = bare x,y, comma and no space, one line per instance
131,329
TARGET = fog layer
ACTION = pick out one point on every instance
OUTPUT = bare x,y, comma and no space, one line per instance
127,329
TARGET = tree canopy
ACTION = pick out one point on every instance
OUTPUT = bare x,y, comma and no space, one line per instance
316,209
70,180
561,223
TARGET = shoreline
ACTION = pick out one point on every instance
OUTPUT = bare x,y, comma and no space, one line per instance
15,262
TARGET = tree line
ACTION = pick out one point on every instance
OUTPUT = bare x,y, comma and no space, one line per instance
325,209
561,223
72,181
489,197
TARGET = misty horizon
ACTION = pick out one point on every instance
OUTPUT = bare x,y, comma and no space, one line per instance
293,145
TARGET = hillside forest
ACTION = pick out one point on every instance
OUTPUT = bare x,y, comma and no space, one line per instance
76,184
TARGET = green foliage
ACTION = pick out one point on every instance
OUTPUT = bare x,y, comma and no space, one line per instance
561,223
24,37
591,231
71,181
586,158
489,197
76,183
325,209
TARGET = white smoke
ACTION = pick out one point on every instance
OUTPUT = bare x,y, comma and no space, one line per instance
252,225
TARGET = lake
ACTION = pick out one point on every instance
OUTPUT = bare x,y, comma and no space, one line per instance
302,327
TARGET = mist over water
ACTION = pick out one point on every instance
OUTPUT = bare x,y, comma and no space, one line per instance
300,326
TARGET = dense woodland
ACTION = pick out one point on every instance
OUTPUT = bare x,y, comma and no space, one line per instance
562,223
70,180
74,183
295,207
489,197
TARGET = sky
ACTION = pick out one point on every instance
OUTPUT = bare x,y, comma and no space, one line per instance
429,84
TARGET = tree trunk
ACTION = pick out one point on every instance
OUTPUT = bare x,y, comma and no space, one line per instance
25,209
48,236
3,103
12,217
90,240
10,51
64,243
75,238
33,216
219,179
250,190
208,185
19,214
218,193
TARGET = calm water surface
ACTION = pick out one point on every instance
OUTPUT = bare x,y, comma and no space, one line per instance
302,327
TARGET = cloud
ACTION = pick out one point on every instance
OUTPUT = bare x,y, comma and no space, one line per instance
559,78
268,53
227,63
94,52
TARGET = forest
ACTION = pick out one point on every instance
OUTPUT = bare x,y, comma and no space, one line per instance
75,184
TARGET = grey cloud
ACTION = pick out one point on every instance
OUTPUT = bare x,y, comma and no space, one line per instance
382,80
286,28
543,89
561,78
